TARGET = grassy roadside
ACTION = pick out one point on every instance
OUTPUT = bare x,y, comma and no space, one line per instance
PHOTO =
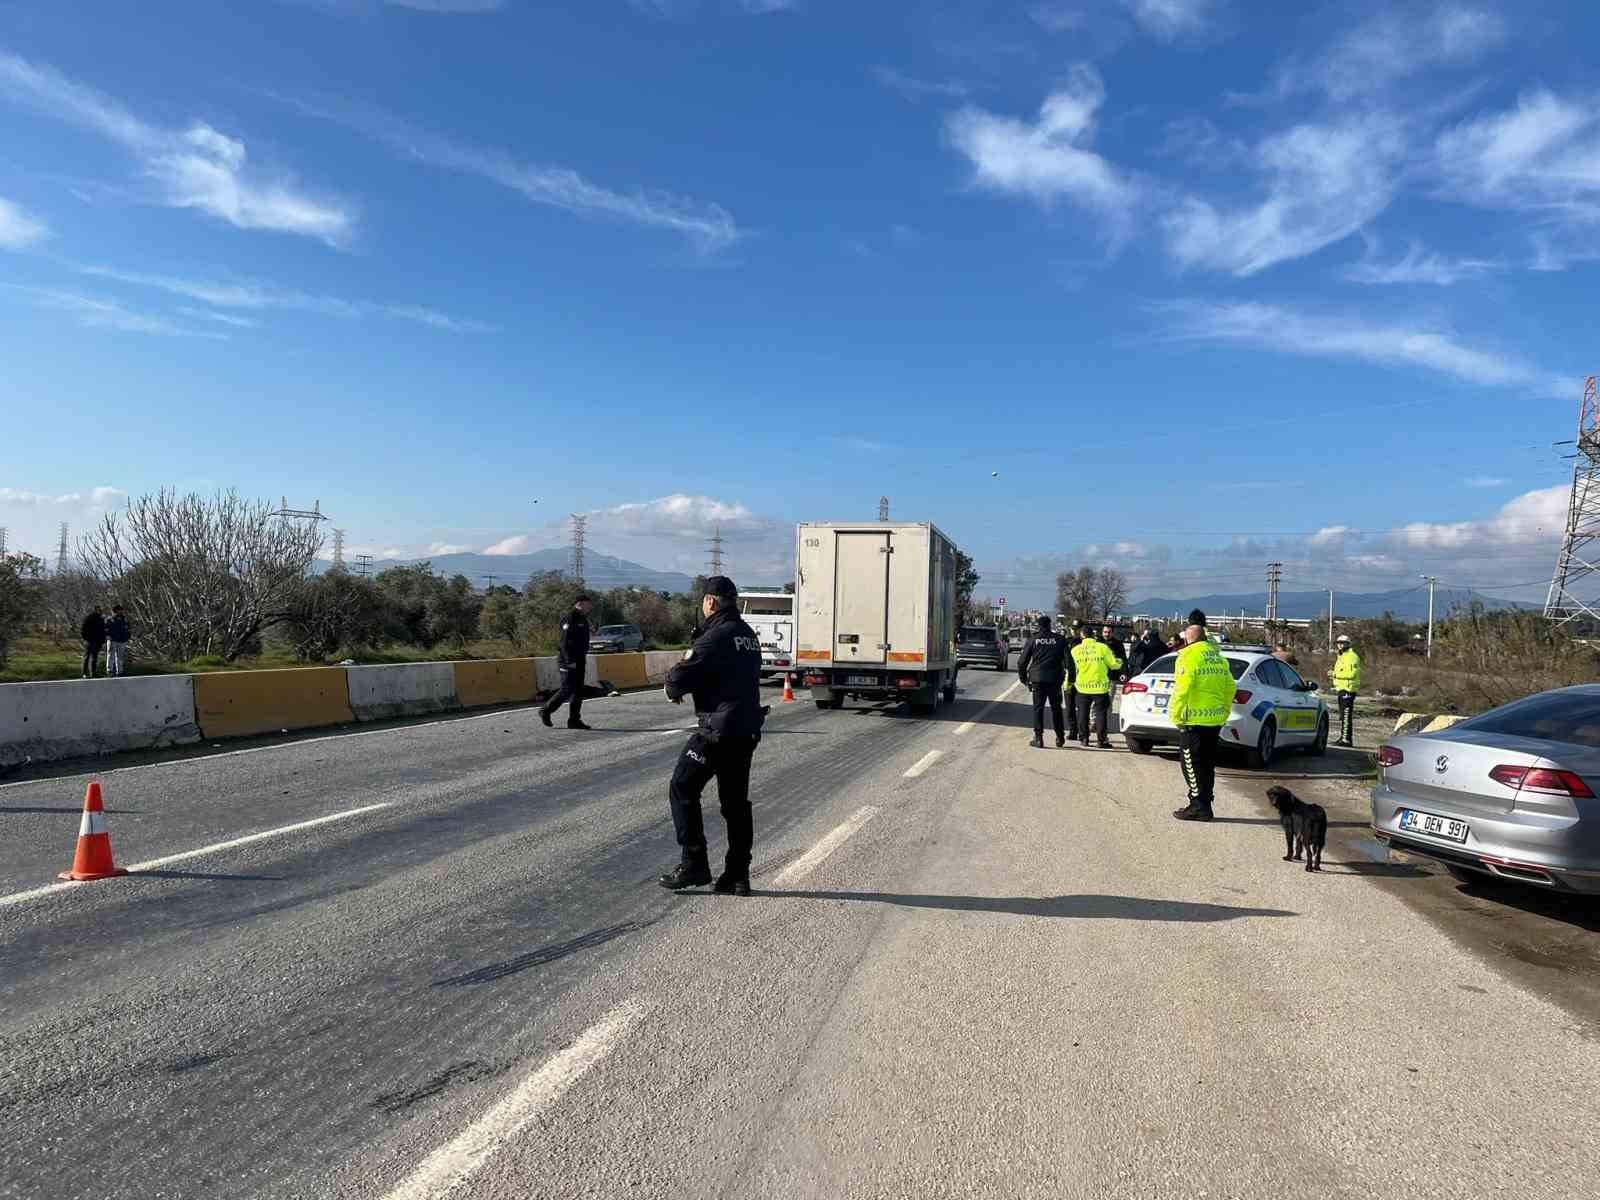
36,659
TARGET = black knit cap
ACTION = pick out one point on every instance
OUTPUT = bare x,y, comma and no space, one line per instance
1043,622
1196,617
721,587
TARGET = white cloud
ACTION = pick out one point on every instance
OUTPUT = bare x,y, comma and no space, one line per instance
708,226
1395,45
1417,266
18,230
205,314
1270,327
197,168
758,7
1534,516
1323,183
1049,159
248,294
679,516
1331,535
450,6
448,548
95,313
1171,18
914,89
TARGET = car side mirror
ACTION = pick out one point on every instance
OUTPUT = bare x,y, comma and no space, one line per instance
1310,685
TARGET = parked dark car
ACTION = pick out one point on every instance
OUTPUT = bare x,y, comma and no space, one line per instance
982,646
616,639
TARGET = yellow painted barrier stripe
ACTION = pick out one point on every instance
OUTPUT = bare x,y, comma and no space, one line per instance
499,681
240,703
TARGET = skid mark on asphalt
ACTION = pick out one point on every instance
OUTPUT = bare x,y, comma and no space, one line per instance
543,955
812,858
456,1073
456,1162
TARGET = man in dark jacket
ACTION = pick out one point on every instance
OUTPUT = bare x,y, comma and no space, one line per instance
118,634
723,674
1109,637
572,656
93,632
1072,675
1043,667
1145,651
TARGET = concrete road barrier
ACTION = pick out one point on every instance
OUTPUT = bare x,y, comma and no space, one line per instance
500,681
621,670
658,662
74,717
547,677
1425,722
402,690
240,703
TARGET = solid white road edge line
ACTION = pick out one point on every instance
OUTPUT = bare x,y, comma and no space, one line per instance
923,763
457,1161
966,726
184,855
807,862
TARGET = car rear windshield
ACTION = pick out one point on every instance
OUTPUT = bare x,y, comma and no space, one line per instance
614,631
1568,717
1163,666
977,635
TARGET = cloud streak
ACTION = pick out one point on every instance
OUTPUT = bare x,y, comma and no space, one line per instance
196,168
18,230
94,313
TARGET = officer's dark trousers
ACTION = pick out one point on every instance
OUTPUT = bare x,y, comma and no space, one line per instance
728,762
1197,752
1347,716
571,689
1071,698
91,658
1097,704
1050,693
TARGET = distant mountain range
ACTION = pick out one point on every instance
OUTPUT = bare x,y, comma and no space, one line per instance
601,571
1409,605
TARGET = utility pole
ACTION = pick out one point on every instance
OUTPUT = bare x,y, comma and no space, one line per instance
61,551
1274,576
363,564
883,508
580,525
1432,583
716,551
338,550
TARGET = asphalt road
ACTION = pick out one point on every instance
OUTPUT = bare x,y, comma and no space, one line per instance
971,969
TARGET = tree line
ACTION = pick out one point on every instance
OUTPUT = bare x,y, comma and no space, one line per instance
1090,593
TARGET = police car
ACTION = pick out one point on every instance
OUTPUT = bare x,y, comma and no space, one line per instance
1273,707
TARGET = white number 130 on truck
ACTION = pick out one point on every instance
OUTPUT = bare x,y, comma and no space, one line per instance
875,613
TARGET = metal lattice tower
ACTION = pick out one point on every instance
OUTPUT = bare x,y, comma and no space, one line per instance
579,525
1274,577
314,513
363,564
2,541
883,508
1575,589
61,551
716,551
338,550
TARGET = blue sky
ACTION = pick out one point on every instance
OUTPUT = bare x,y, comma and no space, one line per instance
1207,282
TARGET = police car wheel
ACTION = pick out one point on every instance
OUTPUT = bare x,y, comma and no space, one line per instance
1320,745
1137,745
1266,746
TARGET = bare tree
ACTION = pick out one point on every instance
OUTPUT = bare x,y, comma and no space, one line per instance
68,595
1110,591
200,576
1077,589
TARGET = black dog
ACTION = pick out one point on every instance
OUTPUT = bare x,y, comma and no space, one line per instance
1305,826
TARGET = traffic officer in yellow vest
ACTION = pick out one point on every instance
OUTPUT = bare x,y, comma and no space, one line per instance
1093,663
1346,675
1202,698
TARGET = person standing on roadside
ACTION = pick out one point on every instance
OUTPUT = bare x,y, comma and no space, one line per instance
723,673
1095,663
1346,675
572,657
1043,667
1145,651
1069,689
1202,698
118,634
93,632
1110,640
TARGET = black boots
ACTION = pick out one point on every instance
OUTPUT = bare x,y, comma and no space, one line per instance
730,883
545,717
578,725
1038,742
687,874
1193,812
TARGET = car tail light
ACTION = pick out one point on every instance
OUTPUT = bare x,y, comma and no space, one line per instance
1134,687
1241,697
1390,756
1543,780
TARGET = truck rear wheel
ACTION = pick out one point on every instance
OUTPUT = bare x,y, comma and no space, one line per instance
828,699
950,691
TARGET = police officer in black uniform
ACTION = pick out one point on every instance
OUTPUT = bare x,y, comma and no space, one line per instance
723,674
572,655
1043,666
1072,678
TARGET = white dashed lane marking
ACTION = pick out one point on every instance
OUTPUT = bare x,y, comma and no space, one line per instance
812,858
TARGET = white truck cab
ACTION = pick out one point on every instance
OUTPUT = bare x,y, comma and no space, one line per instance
771,615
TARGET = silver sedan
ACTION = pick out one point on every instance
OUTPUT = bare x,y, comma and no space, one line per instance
1509,793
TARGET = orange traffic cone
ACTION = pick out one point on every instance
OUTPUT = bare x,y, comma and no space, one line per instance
93,859
788,688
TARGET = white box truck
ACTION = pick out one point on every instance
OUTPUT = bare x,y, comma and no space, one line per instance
771,615
875,613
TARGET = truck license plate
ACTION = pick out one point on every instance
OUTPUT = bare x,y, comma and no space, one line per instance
863,680
1440,827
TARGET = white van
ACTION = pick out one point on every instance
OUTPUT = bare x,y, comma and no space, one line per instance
771,615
